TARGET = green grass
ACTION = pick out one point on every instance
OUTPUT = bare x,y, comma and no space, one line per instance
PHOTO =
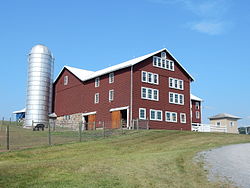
141,159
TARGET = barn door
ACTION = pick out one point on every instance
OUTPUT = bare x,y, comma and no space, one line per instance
91,122
116,119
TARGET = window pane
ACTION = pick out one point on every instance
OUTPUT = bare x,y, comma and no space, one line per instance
150,93
181,99
142,113
176,83
150,77
156,78
159,115
180,84
171,95
176,98
170,82
168,118
155,94
155,61
159,62
152,114
174,117
144,76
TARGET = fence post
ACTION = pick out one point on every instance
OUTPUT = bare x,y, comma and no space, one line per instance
8,136
103,125
80,131
49,135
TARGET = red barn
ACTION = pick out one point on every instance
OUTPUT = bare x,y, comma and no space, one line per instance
155,87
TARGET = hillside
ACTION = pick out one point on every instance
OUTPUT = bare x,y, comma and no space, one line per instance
142,159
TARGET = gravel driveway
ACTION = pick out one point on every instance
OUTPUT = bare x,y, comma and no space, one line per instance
229,163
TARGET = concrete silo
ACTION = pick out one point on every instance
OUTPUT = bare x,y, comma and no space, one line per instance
40,85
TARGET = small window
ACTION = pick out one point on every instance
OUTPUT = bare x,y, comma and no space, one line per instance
181,99
174,117
149,93
150,77
144,93
111,78
197,115
183,118
164,63
168,116
97,82
231,123
159,115
197,105
66,80
170,82
176,83
154,61
96,98
159,62
163,55
171,65
142,113
176,96
111,95
218,123
152,115
155,94
144,76
181,84
171,97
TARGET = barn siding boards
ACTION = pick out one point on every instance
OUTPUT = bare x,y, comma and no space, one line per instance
163,87
78,96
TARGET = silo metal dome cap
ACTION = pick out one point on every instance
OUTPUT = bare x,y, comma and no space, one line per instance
40,49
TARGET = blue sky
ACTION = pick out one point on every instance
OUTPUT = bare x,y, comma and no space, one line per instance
210,39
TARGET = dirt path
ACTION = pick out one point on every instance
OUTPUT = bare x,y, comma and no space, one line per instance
231,163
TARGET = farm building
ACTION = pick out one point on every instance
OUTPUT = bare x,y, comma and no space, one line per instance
153,88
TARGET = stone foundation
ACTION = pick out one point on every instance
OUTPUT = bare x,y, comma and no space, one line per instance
70,121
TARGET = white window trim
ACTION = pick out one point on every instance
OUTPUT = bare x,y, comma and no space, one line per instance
185,120
178,102
65,80
167,61
152,78
111,77
97,82
95,100
171,116
155,115
147,98
173,83
145,113
111,91
197,115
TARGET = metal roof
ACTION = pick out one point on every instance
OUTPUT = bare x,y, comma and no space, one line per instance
223,116
40,49
85,75
19,111
195,98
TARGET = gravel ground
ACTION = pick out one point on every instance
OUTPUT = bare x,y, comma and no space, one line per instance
229,163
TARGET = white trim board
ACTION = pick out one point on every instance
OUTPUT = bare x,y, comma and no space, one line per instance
120,108
88,113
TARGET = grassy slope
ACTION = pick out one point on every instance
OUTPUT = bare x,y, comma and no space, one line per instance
145,159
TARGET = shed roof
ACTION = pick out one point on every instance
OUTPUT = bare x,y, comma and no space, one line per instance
85,75
19,111
223,116
195,98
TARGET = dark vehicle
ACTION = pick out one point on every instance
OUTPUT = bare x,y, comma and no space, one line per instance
38,127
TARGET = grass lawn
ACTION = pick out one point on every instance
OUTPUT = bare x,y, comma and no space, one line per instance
142,159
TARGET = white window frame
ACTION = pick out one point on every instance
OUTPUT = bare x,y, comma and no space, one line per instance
178,101
185,118
171,116
156,115
197,115
97,98
145,113
146,76
172,83
111,95
231,123
152,94
169,64
111,77
197,105
65,80
97,82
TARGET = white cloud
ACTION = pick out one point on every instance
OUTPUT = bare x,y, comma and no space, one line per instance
209,27
209,12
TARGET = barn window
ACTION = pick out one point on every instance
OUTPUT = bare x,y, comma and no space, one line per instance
66,80
111,78
155,115
111,95
197,115
97,98
197,105
97,82
183,118
142,113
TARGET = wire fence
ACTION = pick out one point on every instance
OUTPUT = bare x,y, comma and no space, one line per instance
14,137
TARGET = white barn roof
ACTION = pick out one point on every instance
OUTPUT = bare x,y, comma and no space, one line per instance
195,98
19,111
85,75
